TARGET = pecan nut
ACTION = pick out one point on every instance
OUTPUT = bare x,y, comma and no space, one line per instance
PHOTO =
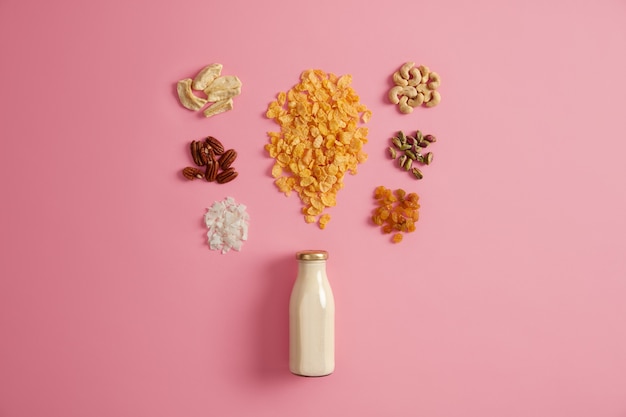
195,152
211,171
207,154
192,173
227,158
215,144
226,176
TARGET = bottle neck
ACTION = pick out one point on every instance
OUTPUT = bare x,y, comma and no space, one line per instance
312,269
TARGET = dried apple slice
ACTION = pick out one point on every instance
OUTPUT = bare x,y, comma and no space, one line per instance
187,98
218,107
206,76
225,82
224,94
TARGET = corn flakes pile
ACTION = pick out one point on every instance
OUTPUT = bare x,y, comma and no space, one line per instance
396,211
319,141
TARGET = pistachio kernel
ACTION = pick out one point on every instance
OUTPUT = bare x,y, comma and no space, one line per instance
410,154
396,142
430,138
428,158
392,152
417,173
401,160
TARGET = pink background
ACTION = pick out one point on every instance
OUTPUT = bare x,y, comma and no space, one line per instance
508,300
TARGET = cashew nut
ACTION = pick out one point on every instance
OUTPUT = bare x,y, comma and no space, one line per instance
434,81
187,98
404,107
394,93
404,69
206,76
428,95
417,101
409,91
425,72
398,80
414,86
422,88
436,99
415,77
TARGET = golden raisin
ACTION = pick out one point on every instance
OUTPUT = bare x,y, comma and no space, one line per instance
397,238
396,212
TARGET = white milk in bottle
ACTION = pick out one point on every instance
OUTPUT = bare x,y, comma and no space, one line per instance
312,317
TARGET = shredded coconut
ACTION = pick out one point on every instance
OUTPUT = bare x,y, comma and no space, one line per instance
228,225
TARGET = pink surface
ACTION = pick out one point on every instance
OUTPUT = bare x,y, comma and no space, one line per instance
508,300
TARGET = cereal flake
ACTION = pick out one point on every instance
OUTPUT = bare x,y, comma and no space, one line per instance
319,141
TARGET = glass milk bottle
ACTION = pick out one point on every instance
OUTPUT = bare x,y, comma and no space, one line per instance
312,317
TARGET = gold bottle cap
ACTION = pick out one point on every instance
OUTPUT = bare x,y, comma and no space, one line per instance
312,255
